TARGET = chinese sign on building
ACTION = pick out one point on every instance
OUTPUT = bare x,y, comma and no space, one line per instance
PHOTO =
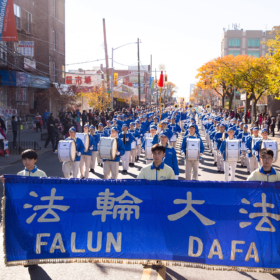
26,48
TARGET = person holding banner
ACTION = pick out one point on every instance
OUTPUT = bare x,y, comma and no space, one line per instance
112,166
157,170
265,173
191,165
170,157
69,166
86,156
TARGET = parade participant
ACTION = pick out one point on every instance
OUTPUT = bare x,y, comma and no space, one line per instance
214,143
244,158
136,136
29,158
176,129
250,140
127,139
112,166
101,133
152,135
265,173
191,166
257,147
86,156
94,153
228,164
170,157
69,166
107,129
157,170
141,133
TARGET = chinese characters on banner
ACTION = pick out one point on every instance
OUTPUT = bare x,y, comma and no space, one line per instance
26,48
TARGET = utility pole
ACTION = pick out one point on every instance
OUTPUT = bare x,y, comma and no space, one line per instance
139,90
106,55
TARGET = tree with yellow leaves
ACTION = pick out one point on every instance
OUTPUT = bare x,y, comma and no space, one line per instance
274,63
96,97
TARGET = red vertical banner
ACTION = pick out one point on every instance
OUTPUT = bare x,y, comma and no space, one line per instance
8,29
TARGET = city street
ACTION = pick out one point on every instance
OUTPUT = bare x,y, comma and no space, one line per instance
50,164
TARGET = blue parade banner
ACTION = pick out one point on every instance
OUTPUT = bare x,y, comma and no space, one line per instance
220,225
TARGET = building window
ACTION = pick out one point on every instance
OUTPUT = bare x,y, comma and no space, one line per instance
253,42
3,52
54,43
29,22
234,53
254,53
234,42
17,12
54,10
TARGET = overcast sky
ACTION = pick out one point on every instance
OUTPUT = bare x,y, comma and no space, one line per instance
182,35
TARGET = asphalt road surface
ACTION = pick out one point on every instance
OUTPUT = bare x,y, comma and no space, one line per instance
51,165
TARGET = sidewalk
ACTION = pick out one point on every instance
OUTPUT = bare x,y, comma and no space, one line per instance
25,136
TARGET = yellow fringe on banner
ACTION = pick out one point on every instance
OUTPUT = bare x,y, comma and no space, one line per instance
129,261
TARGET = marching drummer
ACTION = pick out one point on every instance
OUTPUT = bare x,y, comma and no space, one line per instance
249,145
191,165
86,156
127,139
243,157
170,157
151,135
141,133
228,164
73,166
112,166
133,151
257,147
101,133
107,129
94,153
176,129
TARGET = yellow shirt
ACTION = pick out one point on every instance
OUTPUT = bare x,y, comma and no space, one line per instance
33,173
150,172
259,175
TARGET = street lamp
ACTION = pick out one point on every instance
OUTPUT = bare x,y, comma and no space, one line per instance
112,78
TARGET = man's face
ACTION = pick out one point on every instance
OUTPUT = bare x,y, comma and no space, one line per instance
153,131
29,163
245,129
100,128
163,139
132,127
85,129
264,134
72,134
158,156
173,121
92,131
114,133
163,125
256,132
230,133
192,130
266,161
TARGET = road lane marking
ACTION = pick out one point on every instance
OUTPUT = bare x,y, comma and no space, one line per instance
146,273
161,273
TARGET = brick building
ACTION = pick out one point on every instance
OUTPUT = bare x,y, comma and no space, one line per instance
29,67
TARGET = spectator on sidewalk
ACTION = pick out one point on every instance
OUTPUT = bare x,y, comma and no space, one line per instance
38,120
2,138
278,122
90,116
84,118
2,123
46,116
272,126
14,128
50,125
55,136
